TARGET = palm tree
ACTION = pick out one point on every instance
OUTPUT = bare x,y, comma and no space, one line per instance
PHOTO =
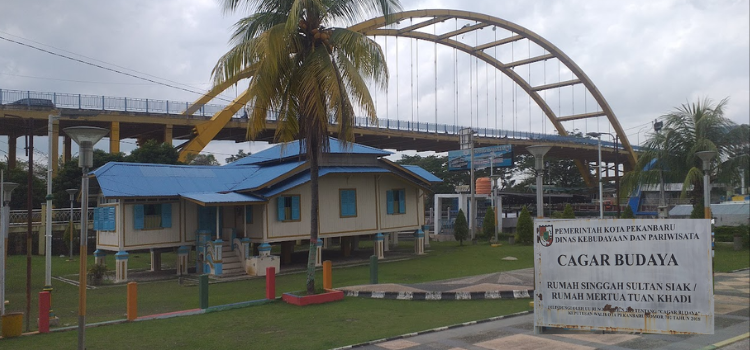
690,128
308,72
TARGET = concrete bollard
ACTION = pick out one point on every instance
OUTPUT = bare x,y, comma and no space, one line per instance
203,291
374,269
132,304
327,280
270,283
44,306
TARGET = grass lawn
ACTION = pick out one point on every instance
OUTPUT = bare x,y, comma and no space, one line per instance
278,325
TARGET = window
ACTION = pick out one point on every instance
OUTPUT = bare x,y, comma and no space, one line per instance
287,208
152,216
104,219
348,203
396,201
248,214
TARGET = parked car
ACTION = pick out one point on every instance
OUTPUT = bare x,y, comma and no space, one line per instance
33,102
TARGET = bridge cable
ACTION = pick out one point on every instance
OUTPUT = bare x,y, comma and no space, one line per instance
528,67
387,92
544,82
434,33
455,81
417,88
398,110
411,77
494,80
515,86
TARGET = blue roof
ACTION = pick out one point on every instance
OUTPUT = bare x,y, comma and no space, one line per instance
259,176
305,177
162,180
222,198
292,149
422,173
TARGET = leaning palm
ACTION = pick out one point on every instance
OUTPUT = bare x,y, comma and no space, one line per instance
308,72
690,128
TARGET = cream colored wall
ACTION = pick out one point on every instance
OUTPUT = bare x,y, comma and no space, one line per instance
255,229
109,240
331,222
189,219
290,229
144,239
395,222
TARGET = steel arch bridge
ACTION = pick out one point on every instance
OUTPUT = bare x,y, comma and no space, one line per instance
425,18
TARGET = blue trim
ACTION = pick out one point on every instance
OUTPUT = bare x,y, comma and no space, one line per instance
264,247
420,233
138,217
182,250
319,243
121,255
379,237
99,253
166,215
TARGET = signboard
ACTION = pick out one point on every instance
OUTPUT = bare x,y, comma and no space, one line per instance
500,157
624,275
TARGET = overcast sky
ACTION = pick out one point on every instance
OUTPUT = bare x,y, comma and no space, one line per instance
645,57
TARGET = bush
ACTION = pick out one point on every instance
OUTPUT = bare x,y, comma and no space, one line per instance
525,227
96,274
727,234
568,212
628,213
461,227
488,225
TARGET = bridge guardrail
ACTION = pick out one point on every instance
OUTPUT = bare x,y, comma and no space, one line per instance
128,104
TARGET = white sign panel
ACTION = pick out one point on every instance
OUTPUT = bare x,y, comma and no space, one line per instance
624,275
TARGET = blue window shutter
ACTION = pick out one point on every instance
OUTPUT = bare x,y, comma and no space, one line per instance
401,202
96,219
389,200
138,219
295,207
342,203
280,209
166,215
348,203
248,214
111,219
353,202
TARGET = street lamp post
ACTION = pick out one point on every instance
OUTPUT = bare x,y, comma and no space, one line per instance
85,137
72,193
7,188
538,151
706,157
598,136
617,169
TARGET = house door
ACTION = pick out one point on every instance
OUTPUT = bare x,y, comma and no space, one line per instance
207,219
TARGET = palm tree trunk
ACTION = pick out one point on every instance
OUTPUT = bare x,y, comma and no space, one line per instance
311,257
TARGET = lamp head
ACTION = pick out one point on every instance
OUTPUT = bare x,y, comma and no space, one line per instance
706,157
8,187
72,192
86,137
538,151
594,134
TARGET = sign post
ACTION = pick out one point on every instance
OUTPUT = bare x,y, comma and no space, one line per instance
650,276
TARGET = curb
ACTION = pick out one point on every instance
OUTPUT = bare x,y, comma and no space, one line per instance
511,294
724,343
407,335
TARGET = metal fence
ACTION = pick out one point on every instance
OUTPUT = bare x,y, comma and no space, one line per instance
151,106
59,216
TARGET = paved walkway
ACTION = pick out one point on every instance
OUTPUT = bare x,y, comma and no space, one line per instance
731,320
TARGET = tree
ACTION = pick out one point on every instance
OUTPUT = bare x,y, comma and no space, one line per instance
525,227
568,212
235,157
154,152
202,159
690,128
69,176
20,175
461,227
307,72
488,224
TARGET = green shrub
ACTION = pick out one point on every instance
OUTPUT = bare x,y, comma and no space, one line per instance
727,234
627,213
96,274
568,212
525,227
461,227
488,224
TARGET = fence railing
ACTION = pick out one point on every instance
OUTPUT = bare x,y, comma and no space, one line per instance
152,106
59,216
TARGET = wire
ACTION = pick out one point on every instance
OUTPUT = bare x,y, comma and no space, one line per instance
107,68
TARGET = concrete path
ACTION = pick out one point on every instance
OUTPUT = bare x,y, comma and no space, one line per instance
731,319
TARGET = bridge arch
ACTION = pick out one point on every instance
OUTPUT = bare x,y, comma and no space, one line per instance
379,27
